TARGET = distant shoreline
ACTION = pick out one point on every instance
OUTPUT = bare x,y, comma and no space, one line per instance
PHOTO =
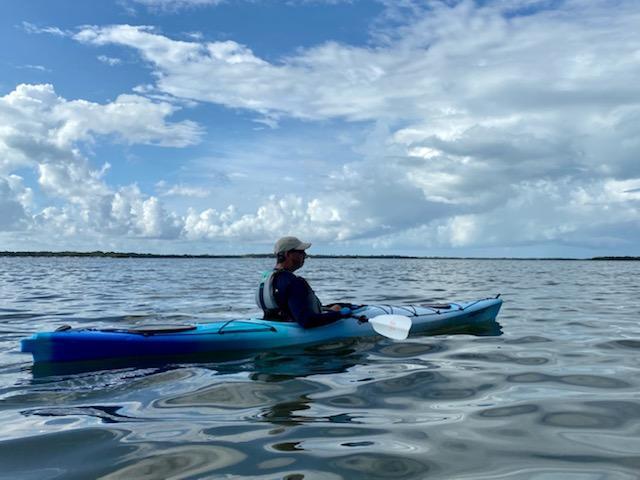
101,254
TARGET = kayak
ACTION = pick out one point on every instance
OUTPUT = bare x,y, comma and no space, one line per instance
250,335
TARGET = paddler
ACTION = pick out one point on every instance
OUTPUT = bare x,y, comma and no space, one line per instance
284,296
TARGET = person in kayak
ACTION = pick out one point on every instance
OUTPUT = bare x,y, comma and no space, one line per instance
284,296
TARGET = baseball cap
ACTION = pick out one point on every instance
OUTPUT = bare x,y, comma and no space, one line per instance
289,243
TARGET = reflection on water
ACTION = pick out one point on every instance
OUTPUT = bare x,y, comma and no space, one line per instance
552,395
178,462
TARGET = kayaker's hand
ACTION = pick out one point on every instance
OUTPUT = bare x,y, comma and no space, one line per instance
345,312
335,308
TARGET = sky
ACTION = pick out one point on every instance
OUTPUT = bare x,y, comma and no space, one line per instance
493,128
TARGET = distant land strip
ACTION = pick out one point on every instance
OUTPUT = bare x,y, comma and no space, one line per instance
157,255
266,255
616,258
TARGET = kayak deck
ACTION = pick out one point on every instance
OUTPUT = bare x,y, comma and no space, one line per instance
82,344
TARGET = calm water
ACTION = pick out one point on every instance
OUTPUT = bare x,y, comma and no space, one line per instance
557,395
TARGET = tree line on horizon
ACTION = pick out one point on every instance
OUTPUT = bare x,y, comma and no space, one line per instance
98,253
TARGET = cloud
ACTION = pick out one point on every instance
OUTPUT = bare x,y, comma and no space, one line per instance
38,68
111,61
175,5
277,215
15,200
450,62
138,215
125,213
45,132
245,81
38,123
180,190
35,29
575,212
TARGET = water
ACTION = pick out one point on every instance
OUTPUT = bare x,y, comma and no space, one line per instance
555,396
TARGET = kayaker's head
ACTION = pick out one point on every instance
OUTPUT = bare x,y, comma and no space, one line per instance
290,253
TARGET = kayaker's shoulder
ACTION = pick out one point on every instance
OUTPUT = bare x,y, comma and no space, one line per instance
285,276
285,280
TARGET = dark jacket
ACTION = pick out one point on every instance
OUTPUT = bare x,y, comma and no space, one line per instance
297,302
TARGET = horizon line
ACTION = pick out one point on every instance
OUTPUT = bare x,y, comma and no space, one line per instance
111,254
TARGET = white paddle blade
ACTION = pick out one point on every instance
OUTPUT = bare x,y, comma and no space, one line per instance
392,326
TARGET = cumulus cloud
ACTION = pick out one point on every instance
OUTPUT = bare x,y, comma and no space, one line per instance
543,211
15,200
40,125
45,132
278,214
137,215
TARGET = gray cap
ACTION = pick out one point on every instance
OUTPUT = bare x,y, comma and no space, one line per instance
289,243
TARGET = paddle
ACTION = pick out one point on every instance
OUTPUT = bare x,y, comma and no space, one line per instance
393,326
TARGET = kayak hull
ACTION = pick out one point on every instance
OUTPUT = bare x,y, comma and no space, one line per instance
243,335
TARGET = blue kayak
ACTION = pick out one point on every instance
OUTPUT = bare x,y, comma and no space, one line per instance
247,335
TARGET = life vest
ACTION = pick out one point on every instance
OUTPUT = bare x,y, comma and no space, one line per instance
265,297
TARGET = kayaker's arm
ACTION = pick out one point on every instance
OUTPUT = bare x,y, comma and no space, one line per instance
300,310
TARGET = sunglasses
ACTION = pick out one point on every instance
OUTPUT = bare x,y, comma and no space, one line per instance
304,254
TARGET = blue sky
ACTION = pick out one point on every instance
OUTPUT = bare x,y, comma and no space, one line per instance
461,128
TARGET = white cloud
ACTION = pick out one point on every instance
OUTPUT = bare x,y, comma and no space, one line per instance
45,132
73,180
451,63
180,190
175,5
15,200
37,125
573,212
143,216
132,118
39,68
54,222
111,61
277,216
35,29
